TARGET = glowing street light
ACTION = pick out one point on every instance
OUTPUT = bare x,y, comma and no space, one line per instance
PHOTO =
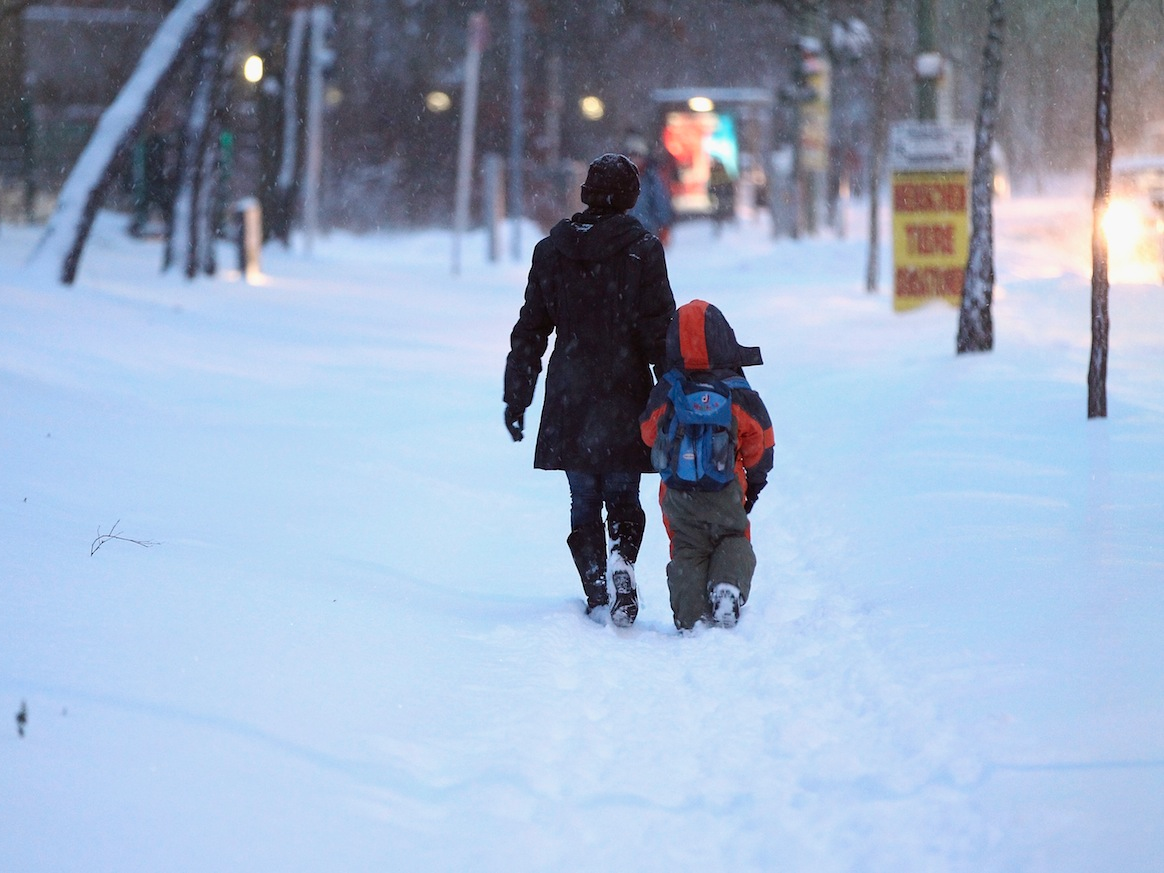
438,101
592,108
701,104
253,69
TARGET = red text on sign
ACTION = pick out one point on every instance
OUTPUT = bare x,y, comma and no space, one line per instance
922,197
929,239
929,282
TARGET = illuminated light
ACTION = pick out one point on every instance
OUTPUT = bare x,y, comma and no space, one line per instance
253,69
701,104
1123,224
1133,242
592,108
333,97
438,101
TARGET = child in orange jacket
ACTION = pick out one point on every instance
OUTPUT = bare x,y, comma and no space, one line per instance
710,573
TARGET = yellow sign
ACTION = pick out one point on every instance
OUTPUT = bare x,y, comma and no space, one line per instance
931,237
814,120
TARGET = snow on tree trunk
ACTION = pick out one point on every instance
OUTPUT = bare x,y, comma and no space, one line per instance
1097,370
975,327
94,173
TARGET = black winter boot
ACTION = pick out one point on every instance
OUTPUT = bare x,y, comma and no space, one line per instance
588,546
625,539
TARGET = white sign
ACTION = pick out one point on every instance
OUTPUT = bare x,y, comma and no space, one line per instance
930,147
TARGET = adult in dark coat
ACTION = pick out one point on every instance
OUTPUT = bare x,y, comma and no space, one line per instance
599,283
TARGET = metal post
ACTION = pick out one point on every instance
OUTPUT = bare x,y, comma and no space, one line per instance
493,170
477,25
516,121
927,57
320,57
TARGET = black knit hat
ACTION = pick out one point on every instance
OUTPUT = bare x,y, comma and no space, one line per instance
612,182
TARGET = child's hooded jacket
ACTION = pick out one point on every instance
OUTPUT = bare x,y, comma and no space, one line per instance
702,344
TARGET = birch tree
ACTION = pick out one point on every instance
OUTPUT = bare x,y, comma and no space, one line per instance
975,326
1104,147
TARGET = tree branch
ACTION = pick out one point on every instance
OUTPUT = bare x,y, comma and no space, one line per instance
102,539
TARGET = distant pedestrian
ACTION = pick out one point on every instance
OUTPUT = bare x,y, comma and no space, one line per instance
712,440
653,208
154,181
721,188
599,283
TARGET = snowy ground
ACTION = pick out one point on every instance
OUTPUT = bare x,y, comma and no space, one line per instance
357,642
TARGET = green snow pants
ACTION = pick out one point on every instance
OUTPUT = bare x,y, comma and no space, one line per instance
709,544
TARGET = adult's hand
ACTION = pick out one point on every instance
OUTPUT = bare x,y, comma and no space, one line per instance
514,422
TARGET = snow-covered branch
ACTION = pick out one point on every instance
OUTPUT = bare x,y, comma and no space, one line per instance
64,237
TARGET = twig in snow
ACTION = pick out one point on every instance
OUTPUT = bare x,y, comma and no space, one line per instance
114,535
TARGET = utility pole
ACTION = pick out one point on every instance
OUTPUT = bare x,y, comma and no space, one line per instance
466,150
319,58
516,121
928,65
877,152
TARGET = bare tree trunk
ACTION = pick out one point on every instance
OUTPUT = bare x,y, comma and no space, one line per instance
181,241
975,327
1097,371
877,151
192,230
209,206
286,187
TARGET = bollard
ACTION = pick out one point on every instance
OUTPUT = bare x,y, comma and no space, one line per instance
493,168
250,238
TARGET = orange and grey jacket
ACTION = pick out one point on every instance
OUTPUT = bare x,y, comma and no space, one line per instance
702,344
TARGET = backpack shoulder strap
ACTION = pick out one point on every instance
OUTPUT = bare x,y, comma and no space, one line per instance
677,380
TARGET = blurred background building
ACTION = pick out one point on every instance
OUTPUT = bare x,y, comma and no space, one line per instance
590,75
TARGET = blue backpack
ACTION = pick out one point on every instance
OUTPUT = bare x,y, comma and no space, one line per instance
696,451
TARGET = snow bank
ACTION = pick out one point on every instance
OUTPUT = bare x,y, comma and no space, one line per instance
359,645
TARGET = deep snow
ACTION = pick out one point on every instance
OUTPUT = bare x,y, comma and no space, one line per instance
358,642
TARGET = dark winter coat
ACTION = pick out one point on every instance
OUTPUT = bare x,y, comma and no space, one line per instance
599,283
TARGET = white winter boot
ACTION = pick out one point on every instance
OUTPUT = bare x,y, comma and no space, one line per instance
725,603
626,596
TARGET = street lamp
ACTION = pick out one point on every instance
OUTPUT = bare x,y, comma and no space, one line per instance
253,69
592,108
437,101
